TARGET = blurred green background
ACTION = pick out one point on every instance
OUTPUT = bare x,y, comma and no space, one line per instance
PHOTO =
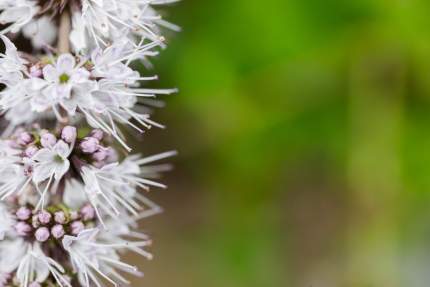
303,132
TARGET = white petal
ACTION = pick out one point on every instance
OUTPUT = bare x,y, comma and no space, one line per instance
74,194
62,149
50,74
61,169
43,171
44,155
65,64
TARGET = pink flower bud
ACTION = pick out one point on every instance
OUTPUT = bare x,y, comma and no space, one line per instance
23,213
25,138
88,212
48,140
69,134
22,228
42,234
89,145
31,150
60,217
98,134
77,226
44,217
34,284
57,231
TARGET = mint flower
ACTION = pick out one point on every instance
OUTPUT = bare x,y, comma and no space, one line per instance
70,194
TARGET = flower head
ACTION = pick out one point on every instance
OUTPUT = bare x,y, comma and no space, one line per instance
70,198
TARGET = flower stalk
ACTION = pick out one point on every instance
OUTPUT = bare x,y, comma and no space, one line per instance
64,33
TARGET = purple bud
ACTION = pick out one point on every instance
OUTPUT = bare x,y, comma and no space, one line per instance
22,228
31,150
88,212
57,231
69,134
89,145
48,140
42,234
77,227
60,217
25,138
100,155
98,134
34,284
23,213
44,217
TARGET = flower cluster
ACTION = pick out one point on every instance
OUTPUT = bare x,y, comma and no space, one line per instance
102,88
70,194
96,192
94,23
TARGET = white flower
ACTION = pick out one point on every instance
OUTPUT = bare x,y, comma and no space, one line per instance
11,254
6,221
113,187
101,22
41,32
8,155
74,194
30,262
63,77
11,64
13,180
51,162
92,259
17,13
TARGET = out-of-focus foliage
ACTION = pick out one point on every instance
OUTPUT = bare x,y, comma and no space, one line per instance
303,132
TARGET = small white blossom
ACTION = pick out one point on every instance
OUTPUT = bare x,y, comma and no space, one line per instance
11,64
41,32
17,13
113,187
101,22
30,262
92,259
13,180
6,221
51,162
64,76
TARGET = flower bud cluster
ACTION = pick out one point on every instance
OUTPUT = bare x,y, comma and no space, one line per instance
53,222
90,148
